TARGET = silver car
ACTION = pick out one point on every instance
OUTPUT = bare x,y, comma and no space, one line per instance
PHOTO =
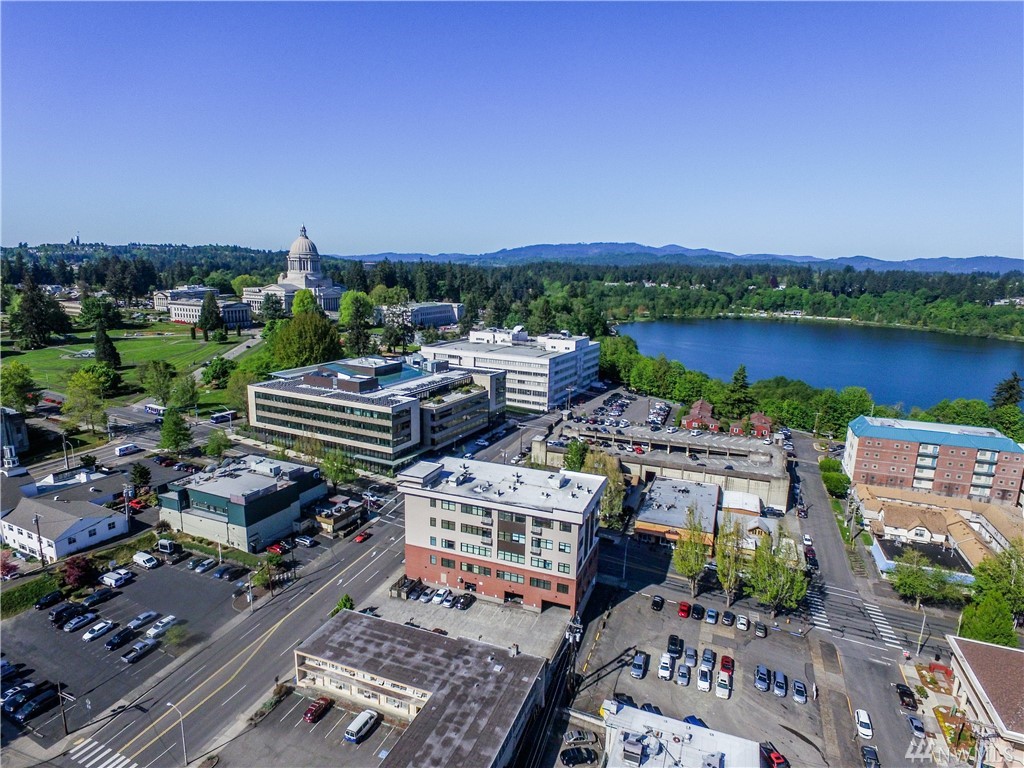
691,656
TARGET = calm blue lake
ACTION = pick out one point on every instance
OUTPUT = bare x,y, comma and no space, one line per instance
894,365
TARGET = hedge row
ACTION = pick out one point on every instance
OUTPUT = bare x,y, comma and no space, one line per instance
17,599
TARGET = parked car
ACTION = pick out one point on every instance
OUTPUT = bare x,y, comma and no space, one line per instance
221,572
80,621
119,638
440,595
761,678
657,603
306,541
317,709
723,687
464,601
684,610
697,611
728,619
36,706
17,700
711,616
362,536
869,755
194,563
708,659
161,627
703,679
742,622
117,578
62,614
799,692
97,597
206,565
683,675
25,687
639,666
665,667
727,664
416,592
780,686
142,619
907,698
863,720
428,595
691,656
138,650
808,541
276,549
578,756
97,630
449,600
675,646
579,737
916,726
760,629
49,599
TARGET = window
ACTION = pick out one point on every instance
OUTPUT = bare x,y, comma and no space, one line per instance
433,522
541,522
516,578
512,557
540,583
476,530
541,544
92,532
564,568
448,505
563,589
511,517
471,509
537,562
515,538
564,546
111,526
480,570
433,541
72,539
447,544
565,527
448,525
433,559
472,549
433,502
447,563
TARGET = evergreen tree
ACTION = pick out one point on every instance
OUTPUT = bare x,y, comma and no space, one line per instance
210,318
106,352
16,385
98,312
989,621
140,475
175,434
36,317
1003,572
271,308
1009,391
575,455
690,553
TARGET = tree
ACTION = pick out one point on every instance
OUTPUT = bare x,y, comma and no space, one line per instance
309,447
87,460
36,316
140,475
217,443
772,577
157,379
275,561
729,558
308,339
337,467
240,283
236,393
185,393
16,385
210,318
575,455
836,483
608,466
7,565
106,352
217,371
355,317
109,378
175,434
305,302
915,579
738,399
272,309
345,604
99,313
79,572
1009,391
690,556
990,621
83,403
219,336
1003,572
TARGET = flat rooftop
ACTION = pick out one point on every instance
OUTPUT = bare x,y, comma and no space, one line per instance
243,476
507,485
476,690
932,433
668,502
670,743
523,349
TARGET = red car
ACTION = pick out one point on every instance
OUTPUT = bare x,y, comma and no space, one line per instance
275,549
727,664
639,450
137,504
362,537
684,610
316,710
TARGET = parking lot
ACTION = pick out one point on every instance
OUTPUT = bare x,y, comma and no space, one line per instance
96,677
632,625
284,738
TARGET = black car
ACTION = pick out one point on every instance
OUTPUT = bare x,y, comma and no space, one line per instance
697,612
49,599
62,614
675,646
625,699
119,638
578,756
97,597
812,563
44,701
15,702
657,603
728,619
870,757
654,709
907,698
463,601
760,629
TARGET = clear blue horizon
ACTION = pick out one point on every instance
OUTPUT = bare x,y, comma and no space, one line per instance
890,130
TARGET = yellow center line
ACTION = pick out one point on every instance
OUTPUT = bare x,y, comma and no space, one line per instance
255,646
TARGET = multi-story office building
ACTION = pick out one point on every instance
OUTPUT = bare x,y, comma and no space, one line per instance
543,372
234,313
382,413
948,459
427,314
161,299
508,534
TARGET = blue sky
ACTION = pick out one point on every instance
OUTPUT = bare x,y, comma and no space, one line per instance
885,129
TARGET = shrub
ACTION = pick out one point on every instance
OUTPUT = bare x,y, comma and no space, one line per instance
830,465
836,483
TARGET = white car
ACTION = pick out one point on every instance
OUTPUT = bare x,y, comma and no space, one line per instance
665,667
142,619
695,433
440,595
704,679
864,728
98,629
742,622
723,689
161,626
808,541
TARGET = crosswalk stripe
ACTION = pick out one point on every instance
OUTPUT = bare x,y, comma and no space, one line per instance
85,754
84,745
98,757
114,758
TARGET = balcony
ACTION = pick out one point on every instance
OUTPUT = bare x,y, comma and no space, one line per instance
535,551
536,531
923,463
486,540
487,521
928,450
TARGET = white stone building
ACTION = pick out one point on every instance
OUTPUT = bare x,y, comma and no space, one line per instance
303,272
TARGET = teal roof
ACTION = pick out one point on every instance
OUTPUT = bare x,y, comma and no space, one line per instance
978,438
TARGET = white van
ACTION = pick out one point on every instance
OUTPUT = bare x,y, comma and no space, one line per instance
127,448
145,559
361,726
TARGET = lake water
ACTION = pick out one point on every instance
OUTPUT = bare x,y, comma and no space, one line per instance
895,365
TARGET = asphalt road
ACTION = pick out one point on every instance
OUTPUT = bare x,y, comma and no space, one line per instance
218,687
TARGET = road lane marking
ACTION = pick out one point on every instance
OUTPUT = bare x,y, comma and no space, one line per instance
195,673
286,714
106,751
114,758
335,726
229,698
250,631
83,745
160,755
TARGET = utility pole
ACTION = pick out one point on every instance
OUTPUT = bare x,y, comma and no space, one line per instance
39,540
920,637
574,635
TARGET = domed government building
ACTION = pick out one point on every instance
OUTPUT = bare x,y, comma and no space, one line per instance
303,272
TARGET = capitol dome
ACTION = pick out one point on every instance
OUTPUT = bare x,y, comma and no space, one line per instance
303,246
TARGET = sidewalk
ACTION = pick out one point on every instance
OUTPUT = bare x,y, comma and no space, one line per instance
939,703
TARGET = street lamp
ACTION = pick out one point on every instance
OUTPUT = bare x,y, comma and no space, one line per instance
181,719
65,445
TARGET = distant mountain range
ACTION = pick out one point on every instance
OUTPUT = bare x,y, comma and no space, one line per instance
633,253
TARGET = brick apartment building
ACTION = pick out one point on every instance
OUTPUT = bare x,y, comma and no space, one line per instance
948,459
506,533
